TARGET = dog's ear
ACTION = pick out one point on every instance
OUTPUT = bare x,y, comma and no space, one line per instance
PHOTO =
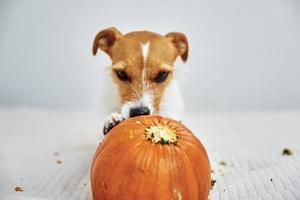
181,43
105,40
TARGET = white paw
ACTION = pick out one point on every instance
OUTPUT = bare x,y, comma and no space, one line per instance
113,120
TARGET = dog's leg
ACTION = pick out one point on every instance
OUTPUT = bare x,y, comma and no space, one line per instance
113,120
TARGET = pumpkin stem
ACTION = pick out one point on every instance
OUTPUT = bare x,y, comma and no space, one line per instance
161,133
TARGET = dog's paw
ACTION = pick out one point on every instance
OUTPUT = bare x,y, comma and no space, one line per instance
113,120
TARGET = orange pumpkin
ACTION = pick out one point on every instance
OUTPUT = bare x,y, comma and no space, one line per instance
149,158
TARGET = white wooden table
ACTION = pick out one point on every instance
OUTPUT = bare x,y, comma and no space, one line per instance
48,152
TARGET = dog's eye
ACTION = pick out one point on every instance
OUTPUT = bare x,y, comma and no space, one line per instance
122,75
161,76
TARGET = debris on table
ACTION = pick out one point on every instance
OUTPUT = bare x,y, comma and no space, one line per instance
18,189
223,163
56,153
287,152
58,161
212,184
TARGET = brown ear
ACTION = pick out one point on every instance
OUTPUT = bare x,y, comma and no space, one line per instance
105,40
180,42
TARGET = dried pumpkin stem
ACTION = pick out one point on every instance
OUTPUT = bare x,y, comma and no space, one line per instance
161,133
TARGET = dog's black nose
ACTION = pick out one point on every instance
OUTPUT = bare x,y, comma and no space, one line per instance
139,111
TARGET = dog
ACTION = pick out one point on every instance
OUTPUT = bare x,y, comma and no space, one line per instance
143,71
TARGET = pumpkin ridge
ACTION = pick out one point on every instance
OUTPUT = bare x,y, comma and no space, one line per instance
192,161
145,164
172,169
124,179
179,171
153,159
165,155
117,162
194,172
106,142
124,158
162,156
198,145
139,166
174,163
187,162
156,150
111,144
117,139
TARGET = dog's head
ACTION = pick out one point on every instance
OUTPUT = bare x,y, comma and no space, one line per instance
142,66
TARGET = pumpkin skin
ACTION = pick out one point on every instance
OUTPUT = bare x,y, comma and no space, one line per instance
128,166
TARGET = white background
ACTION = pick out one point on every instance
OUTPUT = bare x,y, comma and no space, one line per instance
244,55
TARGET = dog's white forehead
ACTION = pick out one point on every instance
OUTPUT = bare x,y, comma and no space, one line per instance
145,51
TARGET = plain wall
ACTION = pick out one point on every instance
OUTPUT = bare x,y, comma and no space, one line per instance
243,54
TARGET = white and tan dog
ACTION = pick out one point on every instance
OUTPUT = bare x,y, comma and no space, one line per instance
143,70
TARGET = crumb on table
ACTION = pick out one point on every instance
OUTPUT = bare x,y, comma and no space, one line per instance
18,189
223,163
287,152
212,183
56,153
58,161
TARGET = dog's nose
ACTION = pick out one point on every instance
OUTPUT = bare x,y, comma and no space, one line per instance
139,111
